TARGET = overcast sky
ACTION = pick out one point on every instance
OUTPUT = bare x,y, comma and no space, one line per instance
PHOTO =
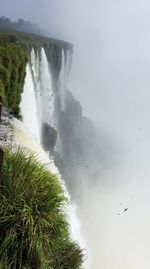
79,16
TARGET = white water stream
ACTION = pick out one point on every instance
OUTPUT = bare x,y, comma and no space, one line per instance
63,77
28,106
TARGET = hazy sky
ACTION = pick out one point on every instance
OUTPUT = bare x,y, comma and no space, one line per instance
81,16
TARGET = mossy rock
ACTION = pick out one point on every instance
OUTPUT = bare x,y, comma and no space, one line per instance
49,137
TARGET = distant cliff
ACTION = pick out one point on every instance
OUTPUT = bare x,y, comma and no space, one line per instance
6,24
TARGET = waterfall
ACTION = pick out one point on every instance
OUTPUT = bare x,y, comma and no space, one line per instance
37,107
63,77
28,106
37,102
45,93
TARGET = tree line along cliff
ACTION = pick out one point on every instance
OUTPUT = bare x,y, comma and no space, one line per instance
15,49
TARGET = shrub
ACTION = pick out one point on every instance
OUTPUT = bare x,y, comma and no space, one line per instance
33,227
13,60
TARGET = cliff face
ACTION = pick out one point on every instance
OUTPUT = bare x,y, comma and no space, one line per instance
15,49
84,154
31,70
6,128
33,77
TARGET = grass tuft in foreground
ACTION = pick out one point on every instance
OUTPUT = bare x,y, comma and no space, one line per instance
33,228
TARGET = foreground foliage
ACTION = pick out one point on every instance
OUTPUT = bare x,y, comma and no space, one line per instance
13,60
33,227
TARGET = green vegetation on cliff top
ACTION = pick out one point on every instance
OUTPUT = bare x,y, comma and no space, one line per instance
33,226
15,48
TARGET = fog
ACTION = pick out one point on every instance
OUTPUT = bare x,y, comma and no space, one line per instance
111,78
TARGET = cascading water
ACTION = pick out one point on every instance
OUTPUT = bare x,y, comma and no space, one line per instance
28,105
43,87
37,103
37,107
63,77
45,91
